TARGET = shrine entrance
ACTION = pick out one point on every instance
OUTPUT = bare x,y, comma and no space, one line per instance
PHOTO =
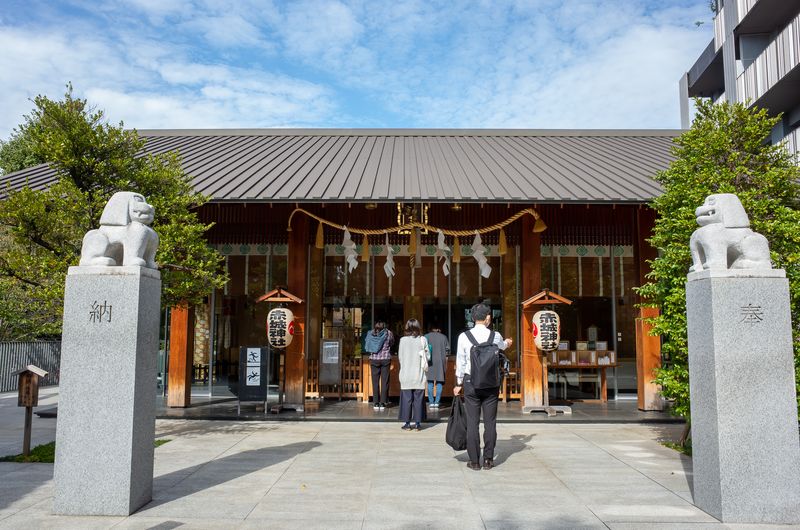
344,301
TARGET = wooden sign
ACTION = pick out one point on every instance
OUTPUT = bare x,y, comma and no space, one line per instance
28,387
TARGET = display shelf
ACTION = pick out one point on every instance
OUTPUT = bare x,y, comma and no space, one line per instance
586,358
571,359
564,358
606,358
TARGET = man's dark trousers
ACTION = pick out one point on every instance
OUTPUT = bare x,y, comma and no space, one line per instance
477,401
380,380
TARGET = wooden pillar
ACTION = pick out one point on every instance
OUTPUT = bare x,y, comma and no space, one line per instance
314,304
648,347
531,272
509,285
298,263
181,354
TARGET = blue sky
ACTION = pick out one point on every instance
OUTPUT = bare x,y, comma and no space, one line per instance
330,63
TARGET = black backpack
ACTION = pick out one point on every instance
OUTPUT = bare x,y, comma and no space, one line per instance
485,360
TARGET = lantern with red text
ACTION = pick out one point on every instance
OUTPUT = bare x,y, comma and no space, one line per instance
546,330
280,327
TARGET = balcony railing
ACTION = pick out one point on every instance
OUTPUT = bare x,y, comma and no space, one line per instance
792,141
777,60
719,29
744,6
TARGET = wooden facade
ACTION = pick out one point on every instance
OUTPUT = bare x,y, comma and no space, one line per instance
305,270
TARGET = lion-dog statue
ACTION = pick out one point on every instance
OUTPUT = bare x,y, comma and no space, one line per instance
124,237
724,239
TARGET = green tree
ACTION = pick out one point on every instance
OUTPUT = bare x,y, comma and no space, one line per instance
16,154
41,230
725,151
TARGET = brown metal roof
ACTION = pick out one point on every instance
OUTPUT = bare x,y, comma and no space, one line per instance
386,165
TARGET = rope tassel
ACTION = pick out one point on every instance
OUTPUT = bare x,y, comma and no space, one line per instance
456,250
502,248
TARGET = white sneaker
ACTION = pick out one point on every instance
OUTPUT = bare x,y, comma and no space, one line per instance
381,407
376,407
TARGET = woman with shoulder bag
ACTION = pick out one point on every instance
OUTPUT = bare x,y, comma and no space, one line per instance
413,354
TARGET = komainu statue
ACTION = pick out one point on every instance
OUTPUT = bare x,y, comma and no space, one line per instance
724,239
124,237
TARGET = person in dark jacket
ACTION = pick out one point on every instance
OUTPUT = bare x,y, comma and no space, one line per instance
378,343
440,347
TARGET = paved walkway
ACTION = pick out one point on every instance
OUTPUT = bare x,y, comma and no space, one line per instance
12,421
226,474
622,411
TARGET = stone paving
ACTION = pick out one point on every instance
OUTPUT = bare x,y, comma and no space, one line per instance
282,474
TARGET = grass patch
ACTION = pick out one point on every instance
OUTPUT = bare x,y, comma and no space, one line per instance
46,453
685,449
41,453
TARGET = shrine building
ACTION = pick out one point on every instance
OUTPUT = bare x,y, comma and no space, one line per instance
558,210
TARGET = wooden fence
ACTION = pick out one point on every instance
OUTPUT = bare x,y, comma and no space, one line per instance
17,355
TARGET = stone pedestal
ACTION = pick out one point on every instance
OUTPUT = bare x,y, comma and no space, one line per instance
746,450
106,409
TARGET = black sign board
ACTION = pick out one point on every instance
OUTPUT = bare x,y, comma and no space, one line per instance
254,373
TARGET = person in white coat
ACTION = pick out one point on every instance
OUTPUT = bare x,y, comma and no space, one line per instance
413,354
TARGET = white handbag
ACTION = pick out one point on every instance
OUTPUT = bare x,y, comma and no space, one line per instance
424,355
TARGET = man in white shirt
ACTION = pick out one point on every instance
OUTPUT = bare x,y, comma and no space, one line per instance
475,399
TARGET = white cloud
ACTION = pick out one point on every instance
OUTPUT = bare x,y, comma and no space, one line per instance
416,63
147,85
226,30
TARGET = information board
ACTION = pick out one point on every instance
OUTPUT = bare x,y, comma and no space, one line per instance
330,365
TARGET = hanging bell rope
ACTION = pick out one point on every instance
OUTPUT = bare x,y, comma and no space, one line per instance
456,250
320,241
502,247
538,226
365,249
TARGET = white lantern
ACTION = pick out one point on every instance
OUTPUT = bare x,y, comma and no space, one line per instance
280,327
546,330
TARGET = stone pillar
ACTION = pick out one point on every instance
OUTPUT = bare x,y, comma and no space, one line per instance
106,409
746,453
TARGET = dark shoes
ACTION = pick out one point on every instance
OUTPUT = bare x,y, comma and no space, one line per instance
406,427
474,466
488,463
